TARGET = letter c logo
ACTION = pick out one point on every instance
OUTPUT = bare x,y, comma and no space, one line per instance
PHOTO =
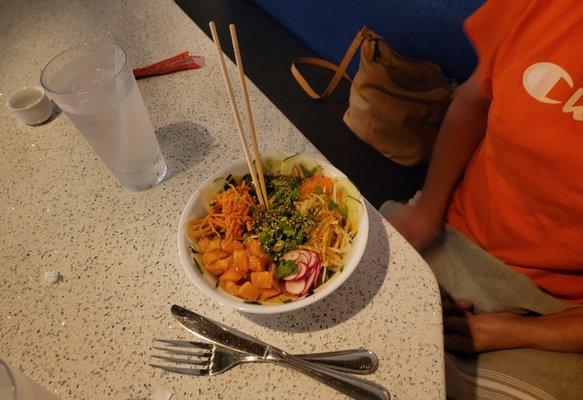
540,78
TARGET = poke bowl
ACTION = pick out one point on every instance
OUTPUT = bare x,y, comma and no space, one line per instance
277,258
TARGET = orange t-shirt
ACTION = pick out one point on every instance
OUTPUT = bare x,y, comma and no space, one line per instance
521,197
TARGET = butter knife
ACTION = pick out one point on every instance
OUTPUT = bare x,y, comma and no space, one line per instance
222,335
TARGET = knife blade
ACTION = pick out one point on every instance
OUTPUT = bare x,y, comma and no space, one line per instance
220,334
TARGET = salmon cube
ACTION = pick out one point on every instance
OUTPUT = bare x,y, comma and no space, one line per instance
231,246
268,294
203,244
213,245
263,280
230,287
217,268
231,275
255,248
256,264
224,264
241,259
248,291
245,274
212,256
241,262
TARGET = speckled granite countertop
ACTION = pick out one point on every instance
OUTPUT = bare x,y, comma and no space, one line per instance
89,336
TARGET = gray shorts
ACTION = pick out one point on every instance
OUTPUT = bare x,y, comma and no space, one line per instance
466,271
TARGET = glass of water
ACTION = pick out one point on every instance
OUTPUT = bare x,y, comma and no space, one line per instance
94,85
15,386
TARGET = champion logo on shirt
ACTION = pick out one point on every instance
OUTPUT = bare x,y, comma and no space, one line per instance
540,78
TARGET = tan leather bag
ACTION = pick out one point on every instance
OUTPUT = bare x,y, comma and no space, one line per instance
396,104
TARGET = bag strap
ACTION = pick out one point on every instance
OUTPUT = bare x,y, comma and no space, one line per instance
339,70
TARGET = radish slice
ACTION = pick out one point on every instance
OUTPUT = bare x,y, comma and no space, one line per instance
300,256
297,256
309,283
312,278
302,270
295,287
304,257
292,255
314,259
297,275
307,254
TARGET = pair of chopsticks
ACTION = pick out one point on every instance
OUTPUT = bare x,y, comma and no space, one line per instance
257,176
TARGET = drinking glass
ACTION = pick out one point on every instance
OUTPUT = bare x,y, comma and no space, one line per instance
94,85
16,386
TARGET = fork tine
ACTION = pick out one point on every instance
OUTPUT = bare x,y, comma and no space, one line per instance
186,343
202,353
182,360
185,371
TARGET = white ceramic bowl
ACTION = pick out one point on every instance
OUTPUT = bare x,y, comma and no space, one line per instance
195,207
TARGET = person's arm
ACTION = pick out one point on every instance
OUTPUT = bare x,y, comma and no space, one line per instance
476,333
462,130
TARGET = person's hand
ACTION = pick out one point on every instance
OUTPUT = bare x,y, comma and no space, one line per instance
466,332
417,225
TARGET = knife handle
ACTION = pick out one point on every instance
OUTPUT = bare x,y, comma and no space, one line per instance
353,386
357,361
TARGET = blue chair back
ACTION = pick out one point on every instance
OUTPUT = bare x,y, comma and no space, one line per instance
423,29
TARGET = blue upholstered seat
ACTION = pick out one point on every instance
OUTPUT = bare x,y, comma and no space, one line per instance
426,29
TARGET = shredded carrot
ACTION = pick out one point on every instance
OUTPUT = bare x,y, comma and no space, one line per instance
228,216
324,184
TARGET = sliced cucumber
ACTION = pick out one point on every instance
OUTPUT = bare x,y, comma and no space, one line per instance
352,200
287,165
272,165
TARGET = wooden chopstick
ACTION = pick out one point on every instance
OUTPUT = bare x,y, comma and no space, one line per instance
258,161
236,113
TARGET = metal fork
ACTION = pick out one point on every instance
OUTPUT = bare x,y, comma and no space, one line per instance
209,359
